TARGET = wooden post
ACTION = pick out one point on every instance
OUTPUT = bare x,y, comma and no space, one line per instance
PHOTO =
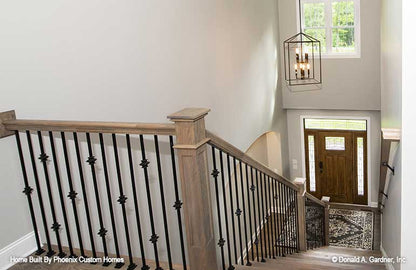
326,201
9,115
301,183
193,168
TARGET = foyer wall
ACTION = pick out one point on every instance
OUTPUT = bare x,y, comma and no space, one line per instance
136,61
391,117
348,83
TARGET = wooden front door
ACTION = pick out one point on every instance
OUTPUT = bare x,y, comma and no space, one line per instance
333,165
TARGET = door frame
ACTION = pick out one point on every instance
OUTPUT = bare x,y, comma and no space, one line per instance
342,117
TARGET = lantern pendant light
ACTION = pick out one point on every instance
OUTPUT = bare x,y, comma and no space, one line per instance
302,58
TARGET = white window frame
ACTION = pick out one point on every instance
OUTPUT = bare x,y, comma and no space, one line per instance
329,26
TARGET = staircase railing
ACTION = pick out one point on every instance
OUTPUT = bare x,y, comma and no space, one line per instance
75,173
163,176
315,222
257,214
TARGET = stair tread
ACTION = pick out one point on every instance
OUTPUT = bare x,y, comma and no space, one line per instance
319,259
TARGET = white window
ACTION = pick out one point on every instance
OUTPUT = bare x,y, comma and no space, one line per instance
336,23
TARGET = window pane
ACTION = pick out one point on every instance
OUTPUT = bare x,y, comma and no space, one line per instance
343,13
343,40
360,165
311,148
319,34
339,124
334,143
314,14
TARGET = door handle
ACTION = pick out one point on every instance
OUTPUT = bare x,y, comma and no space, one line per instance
321,167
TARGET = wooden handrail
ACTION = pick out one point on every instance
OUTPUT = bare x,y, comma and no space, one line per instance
314,199
231,149
93,127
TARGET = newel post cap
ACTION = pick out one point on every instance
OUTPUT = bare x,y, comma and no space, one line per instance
189,114
4,116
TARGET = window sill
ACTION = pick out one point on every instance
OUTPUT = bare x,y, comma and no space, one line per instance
340,56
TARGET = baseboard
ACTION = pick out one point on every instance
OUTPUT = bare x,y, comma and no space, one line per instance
389,266
22,247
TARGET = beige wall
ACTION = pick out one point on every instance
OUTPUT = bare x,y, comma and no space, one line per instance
296,149
268,150
391,117
136,61
348,84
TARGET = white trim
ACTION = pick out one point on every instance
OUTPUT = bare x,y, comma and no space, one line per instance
389,266
22,247
369,172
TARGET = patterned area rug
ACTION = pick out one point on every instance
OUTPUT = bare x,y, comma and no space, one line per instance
350,228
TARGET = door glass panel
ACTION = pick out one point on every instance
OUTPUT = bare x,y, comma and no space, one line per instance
334,143
360,165
338,124
311,147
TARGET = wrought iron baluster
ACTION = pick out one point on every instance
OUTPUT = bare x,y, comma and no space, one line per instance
238,211
61,195
162,195
154,238
295,195
230,265
259,215
253,189
249,215
291,206
275,217
214,174
245,214
270,183
72,194
109,198
178,203
55,226
84,194
102,232
263,216
232,207
28,192
136,204
122,200
268,220
282,238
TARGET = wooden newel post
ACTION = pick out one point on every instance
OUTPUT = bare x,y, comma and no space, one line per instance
301,183
191,149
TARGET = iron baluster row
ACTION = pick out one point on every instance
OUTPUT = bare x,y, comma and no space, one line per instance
55,181
315,224
28,192
269,228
